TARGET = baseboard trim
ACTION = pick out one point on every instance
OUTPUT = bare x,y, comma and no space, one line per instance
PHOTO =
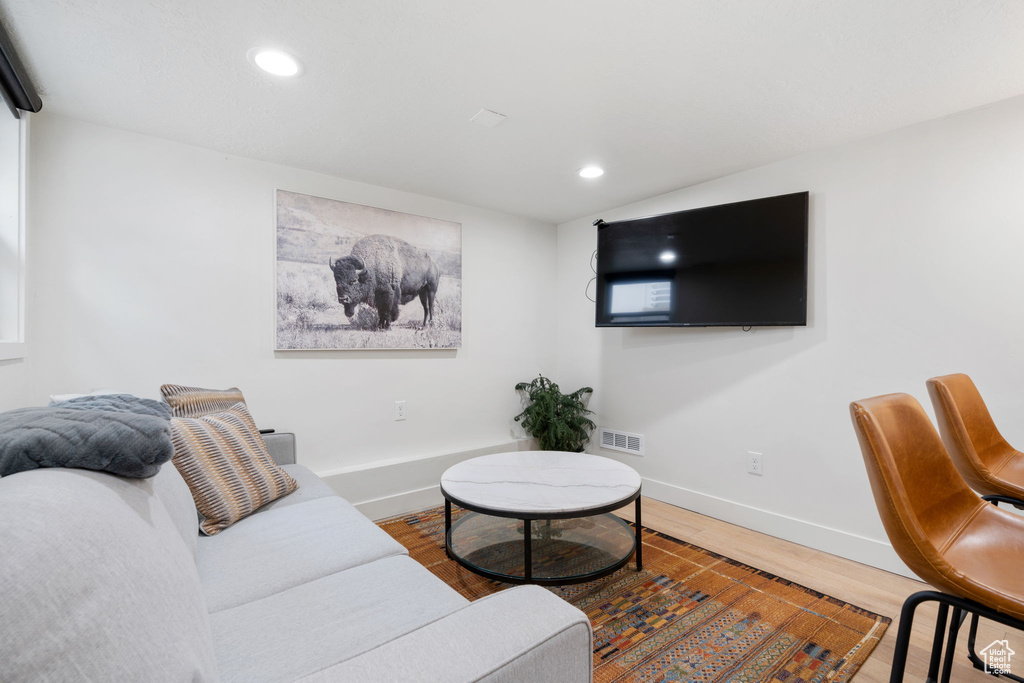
401,503
834,541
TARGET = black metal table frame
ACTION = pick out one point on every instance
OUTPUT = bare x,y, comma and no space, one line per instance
527,519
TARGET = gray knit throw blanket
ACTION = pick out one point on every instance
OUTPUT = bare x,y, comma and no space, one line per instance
117,433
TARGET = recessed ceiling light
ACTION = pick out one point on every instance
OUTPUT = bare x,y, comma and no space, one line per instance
591,172
274,61
487,118
667,256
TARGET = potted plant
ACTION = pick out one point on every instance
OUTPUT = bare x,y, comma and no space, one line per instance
559,421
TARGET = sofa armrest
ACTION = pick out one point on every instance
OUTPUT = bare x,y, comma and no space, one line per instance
281,446
519,634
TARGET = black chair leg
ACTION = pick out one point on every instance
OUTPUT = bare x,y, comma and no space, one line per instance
899,654
961,608
972,637
954,631
937,639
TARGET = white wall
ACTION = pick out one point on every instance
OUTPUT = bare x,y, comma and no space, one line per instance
917,270
153,262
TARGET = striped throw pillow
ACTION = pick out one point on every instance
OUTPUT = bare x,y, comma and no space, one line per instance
196,402
226,465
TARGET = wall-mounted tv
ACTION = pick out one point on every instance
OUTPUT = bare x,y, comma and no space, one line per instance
741,264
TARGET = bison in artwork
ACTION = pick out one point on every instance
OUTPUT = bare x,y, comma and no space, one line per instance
385,272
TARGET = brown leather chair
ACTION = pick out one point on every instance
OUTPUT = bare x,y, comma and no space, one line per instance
969,550
990,465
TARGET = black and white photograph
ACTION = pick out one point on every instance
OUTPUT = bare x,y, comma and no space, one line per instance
358,277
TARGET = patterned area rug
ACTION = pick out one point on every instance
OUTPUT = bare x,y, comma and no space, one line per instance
689,615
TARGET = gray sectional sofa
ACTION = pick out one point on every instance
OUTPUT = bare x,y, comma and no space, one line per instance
107,579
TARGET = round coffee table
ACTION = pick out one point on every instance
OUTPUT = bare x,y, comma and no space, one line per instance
541,516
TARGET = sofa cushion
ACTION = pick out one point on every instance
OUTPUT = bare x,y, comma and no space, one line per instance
196,401
310,487
96,583
226,465
525,634
320,623
275,550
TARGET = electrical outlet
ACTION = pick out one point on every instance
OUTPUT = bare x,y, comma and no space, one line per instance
399,410
755,463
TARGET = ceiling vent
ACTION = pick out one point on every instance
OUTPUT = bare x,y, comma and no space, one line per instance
487,118
622,441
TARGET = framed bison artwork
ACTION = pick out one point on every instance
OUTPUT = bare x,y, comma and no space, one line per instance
357,277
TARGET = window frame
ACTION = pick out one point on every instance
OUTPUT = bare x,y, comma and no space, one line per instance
16,346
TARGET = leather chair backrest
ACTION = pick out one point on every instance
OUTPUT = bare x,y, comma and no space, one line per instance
971,437
922,499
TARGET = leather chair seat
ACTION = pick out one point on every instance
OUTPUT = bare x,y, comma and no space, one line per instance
1008,477
972,571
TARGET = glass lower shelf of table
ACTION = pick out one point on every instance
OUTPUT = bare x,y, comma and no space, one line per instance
561,551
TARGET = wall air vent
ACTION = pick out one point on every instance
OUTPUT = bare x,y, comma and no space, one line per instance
622,441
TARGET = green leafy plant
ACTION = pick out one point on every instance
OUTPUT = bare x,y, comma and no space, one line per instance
558,420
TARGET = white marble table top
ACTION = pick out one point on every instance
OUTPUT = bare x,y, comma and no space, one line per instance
535,482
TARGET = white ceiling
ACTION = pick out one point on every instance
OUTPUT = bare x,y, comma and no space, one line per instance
662,93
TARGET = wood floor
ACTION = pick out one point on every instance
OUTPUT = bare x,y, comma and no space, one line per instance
867,587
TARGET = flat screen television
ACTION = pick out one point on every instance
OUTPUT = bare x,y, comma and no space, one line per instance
741,264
